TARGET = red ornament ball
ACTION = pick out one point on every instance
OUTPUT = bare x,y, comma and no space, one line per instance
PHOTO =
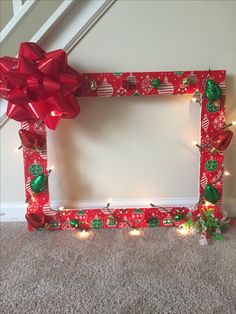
222,141
31,140
36,220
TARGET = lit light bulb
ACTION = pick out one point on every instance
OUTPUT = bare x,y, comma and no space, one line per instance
207,203
135,232
196,144
233,123
51,168
61,208
83,234
17,149
183,231
26,205
196,96
108,203
226,173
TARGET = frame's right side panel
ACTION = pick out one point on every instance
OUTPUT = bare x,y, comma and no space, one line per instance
212,121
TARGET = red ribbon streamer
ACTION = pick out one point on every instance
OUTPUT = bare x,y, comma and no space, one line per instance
39,85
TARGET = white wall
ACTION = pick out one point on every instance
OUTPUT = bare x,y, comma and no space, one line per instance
135,36
6,13
127,149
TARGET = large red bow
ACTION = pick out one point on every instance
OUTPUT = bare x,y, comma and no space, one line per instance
39,85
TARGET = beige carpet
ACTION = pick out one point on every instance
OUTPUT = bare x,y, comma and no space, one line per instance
112,272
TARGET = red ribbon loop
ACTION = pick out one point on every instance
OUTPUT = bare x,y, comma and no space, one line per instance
39,85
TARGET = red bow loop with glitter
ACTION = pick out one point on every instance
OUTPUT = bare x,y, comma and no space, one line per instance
39,85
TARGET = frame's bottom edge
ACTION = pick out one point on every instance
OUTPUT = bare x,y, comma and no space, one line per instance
106,218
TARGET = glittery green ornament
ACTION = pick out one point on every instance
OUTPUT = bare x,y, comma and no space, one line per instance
154,222
35,169
211,165
74,223
155,83
96,223
178,217
211,194
212,107
213,90
39,183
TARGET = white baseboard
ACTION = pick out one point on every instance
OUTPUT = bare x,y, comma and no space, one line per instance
121,203
12,211
15,211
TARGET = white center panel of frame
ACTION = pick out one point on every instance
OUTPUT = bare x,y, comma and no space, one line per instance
131,149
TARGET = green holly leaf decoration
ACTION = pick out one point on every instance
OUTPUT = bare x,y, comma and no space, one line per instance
212,107
209,213
189,223
213,90
179,72
154,222
96,223
218,236
211,165
136,94
35,169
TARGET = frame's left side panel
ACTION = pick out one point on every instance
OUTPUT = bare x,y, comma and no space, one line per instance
35,164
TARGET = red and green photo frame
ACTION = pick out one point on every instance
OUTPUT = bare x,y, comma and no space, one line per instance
41,88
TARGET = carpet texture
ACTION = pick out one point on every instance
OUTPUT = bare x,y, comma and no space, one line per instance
113,272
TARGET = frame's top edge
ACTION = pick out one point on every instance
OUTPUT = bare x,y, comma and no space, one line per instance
178,72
